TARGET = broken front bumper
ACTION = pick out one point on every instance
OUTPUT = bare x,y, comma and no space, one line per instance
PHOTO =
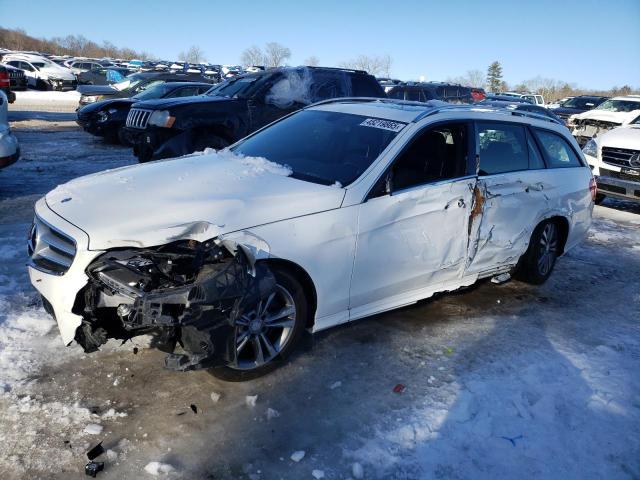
58,290
149,144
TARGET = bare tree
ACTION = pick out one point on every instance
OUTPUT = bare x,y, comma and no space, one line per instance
312,61
473,78
193,55
373,64
275,55
252,56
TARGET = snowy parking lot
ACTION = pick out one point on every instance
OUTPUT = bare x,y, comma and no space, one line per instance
497,381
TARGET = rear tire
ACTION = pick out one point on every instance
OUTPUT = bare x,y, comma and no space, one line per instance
538,261
600,198
289,291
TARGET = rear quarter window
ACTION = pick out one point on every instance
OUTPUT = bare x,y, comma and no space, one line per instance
557,150
365,86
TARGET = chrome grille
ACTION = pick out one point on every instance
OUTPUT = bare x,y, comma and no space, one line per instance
621,157
138,118
51,251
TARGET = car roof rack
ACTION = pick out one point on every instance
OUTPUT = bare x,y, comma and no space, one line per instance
335,68
431,107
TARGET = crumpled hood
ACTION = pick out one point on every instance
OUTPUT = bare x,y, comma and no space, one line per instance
606,116
621,137
194,197
164,103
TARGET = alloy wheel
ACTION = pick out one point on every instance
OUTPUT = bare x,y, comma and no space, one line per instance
263,333
547,248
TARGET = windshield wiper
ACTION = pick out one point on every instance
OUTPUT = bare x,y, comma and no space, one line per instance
307,177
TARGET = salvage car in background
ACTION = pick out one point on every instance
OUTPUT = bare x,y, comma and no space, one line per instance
174,127
257,243
107,117
579,104
614,157
103,76
611,113
9,148
134,84
41,72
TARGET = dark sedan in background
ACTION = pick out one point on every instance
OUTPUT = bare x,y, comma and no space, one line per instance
107,118
578,104
134,84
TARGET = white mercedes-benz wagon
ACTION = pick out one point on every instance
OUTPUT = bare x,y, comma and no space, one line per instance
341,210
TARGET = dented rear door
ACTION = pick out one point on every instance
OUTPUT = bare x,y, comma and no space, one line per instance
513,189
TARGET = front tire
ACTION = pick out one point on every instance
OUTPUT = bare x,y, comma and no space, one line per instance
270,332
538,261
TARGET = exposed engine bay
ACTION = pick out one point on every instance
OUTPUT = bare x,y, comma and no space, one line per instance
185,293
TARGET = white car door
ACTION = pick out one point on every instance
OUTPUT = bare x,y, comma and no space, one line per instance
513,186
414,239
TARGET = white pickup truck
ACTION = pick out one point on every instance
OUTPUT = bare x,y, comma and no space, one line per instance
614,158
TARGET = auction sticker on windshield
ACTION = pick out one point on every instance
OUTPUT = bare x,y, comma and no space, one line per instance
383,124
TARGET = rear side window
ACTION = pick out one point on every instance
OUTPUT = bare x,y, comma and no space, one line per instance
365,86
503,148
558,152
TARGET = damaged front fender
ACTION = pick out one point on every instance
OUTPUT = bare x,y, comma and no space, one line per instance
187,293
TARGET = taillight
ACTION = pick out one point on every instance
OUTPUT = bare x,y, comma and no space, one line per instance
593,188
4,79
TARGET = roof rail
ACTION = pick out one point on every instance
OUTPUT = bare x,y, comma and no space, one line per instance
538,116
370,99
335,68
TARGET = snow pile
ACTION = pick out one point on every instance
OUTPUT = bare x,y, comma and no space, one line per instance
255,165
158,468
294,87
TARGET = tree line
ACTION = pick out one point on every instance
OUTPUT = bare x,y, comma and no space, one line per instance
274,55
74,45
549,88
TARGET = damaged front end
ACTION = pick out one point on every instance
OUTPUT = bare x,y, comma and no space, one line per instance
185,293
585,129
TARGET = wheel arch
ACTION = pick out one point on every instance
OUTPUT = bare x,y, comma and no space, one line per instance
304,278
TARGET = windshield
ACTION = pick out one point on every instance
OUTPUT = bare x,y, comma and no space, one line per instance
612,105
323,147
577,102
236,87
129,82
153,91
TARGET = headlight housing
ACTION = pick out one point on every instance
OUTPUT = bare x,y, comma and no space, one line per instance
591,148
90,98
161,118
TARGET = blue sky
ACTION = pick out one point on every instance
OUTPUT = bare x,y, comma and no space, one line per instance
589,43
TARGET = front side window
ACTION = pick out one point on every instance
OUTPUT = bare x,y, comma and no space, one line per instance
323,147
503,148
435,154
558,152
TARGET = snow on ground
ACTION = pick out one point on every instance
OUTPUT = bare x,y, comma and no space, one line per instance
500,381
41,101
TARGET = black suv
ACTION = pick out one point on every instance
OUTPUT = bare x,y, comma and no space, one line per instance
107,117
237,107
134,84
425,91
